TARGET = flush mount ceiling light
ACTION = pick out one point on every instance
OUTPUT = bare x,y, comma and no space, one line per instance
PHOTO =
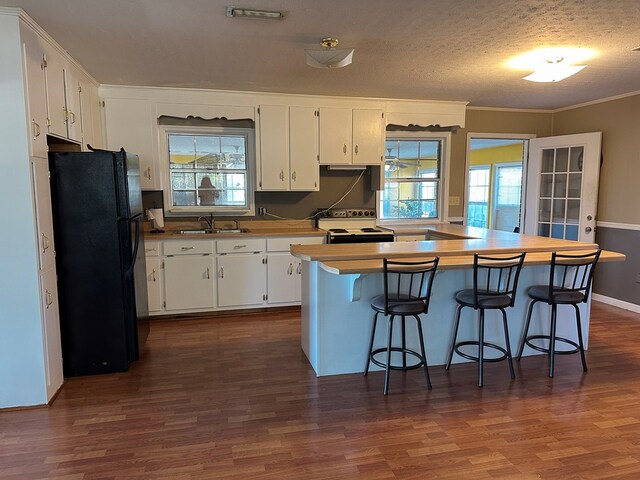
251,13
551,64
329,56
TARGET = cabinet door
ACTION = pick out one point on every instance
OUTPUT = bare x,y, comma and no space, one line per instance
129,124
241,280
303,149
335,136
189,282
36,93
154,284
283,280
56,106
274,147
368,137
72,97
44,222
96,119
51,332
87,98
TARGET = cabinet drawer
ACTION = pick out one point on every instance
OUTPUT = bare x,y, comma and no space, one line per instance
152,248
240,245
188,247
284,244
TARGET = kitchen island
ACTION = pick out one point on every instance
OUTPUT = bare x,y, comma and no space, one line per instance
338,282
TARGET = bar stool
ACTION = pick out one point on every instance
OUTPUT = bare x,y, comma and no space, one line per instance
569,284
495,281
407,289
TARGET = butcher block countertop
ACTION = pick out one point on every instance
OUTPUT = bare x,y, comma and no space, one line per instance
455,253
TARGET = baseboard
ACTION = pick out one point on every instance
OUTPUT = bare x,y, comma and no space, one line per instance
616,303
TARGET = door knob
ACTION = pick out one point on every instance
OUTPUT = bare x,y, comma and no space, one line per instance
587,229
589,217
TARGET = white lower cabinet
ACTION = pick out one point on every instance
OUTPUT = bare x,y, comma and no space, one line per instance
189,282
51,331
155,284
241,279
283,275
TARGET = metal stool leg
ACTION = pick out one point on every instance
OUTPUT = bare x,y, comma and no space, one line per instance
424,355
455,335
552,340
526,329
373,334
404,343
481,348
508,347
584,361
388,365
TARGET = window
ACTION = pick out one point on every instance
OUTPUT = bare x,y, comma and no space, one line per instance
478,209
412,178
209,170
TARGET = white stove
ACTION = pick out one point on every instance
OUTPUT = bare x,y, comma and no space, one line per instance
352,225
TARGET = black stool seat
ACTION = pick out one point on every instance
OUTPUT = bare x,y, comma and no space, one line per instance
485,300
558,295
495,280
398,305
570,279
407,290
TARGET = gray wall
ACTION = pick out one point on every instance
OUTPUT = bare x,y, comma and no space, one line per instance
618,279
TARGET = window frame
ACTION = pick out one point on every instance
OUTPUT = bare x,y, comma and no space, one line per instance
170,210
443,184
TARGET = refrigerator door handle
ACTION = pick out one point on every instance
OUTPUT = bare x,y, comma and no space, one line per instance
134,255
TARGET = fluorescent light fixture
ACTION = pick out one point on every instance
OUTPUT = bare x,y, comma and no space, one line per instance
329,56
250,13
553,73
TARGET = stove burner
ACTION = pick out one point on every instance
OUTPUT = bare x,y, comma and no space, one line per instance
338,230
370,230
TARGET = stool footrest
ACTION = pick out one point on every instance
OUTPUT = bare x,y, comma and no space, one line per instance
475,358
397,367
576,348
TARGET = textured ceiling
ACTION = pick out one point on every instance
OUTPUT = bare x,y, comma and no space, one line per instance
422,49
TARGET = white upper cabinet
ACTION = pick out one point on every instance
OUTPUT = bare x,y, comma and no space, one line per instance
91,116
72,102
288,148
351,136
129,124
303,149
34,54
56,105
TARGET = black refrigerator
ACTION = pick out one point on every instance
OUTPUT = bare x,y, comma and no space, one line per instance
98,235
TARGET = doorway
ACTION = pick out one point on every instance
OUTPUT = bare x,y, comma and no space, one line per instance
496,168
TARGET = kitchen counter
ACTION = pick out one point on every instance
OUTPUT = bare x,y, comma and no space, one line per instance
255,228
338,282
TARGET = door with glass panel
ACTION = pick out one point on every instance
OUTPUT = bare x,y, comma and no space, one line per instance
562,193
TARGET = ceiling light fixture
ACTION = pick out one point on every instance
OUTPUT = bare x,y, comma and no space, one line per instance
250,13
329,56
551,64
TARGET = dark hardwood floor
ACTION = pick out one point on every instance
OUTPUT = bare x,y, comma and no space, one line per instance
233,397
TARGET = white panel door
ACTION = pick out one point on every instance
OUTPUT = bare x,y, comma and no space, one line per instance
335,136
44,219
368,137
189,282
129,124
36,93
154,283
51,332
283,279
74,113
274,147
562,186
303,149
241,280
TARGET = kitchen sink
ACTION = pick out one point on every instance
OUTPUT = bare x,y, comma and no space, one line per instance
205,231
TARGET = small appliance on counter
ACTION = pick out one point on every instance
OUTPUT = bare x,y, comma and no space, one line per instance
352,225
98,228
156,216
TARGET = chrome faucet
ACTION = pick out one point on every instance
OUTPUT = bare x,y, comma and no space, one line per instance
211,223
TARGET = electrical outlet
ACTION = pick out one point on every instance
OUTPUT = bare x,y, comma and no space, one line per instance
454,201
262,210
